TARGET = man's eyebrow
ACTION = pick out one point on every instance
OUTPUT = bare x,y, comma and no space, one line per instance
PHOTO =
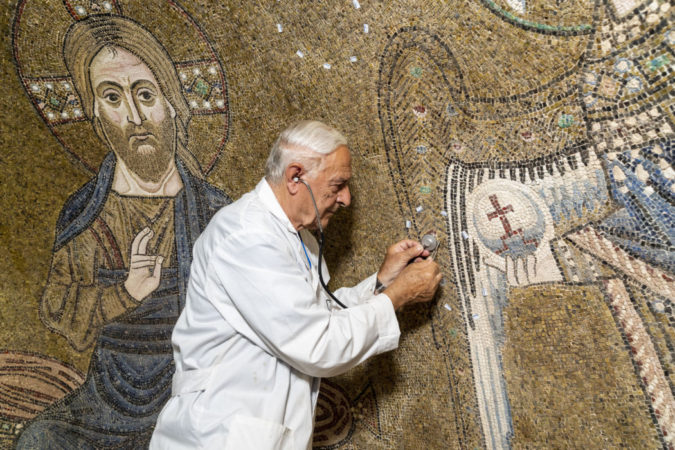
105,83
135,84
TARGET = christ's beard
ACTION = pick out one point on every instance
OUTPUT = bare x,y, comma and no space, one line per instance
146,150
148,161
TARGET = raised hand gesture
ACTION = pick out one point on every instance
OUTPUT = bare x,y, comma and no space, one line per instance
144,270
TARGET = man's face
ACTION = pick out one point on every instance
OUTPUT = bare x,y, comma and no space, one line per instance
138,122
330,186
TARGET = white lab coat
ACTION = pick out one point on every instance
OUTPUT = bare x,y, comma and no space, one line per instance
257,332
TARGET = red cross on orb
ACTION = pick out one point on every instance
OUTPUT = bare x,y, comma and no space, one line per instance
501,212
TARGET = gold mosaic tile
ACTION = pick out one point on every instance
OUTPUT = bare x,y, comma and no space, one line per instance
565,359
534,137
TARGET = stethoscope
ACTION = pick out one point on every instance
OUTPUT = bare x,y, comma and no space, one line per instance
428,241
321,242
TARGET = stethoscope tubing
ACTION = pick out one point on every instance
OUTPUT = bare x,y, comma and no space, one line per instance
321,242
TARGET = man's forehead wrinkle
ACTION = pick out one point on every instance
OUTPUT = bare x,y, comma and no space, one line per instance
341,174
108,77
121,66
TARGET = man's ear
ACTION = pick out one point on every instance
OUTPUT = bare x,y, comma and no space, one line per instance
96,113
293,170
172,111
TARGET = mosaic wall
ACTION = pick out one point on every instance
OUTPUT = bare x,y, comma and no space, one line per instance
534,137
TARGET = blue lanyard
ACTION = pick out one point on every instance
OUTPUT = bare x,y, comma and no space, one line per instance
305,249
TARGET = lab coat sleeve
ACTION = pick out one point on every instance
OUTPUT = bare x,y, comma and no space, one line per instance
270,301
362,292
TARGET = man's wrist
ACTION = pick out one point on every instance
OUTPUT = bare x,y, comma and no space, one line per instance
379,286
394,296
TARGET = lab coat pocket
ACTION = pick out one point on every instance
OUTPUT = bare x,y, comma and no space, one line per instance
190,387
258,434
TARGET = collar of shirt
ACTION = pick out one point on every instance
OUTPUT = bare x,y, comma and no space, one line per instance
307,254
264,191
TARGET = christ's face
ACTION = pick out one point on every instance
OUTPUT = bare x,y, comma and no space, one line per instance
137,120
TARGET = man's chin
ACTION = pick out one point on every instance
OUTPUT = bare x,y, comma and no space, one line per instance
148,167
145,149
325,219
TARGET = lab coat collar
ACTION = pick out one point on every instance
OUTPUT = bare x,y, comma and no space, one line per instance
264,191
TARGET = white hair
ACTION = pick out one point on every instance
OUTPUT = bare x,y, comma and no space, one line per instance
306,142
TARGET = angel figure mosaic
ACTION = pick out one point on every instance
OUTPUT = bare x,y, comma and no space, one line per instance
553,189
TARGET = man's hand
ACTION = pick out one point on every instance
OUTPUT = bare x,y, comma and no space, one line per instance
397,258
144,270
416,283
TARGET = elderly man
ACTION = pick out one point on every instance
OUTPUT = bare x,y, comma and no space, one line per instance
258,330
124,240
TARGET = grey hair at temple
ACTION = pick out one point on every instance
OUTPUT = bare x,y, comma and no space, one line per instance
306,142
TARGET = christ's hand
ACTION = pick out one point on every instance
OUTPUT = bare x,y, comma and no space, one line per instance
144,270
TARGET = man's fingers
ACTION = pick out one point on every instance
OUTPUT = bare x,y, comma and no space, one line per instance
404,248
146,262
143,245
429,262
413,251
143,258
420,264
139,264
137,242
405,244
157,271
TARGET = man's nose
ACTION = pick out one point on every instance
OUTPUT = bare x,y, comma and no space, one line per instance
134,114
344,197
